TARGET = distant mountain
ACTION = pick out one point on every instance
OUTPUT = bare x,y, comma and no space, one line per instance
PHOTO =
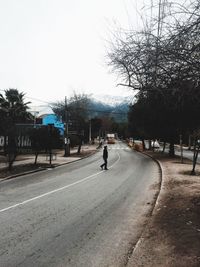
112,106
112,100
100,105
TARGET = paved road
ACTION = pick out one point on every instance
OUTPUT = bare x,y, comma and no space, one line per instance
186,154
77,215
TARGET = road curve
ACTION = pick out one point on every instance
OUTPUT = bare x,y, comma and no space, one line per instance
77,215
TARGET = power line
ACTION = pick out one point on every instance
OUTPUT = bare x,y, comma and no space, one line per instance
38,100
87,109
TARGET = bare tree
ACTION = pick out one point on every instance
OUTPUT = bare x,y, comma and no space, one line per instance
163,62
75,113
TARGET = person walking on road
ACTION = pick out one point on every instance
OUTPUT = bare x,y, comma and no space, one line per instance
105,158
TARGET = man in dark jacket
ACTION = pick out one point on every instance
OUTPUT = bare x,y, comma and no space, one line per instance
105,158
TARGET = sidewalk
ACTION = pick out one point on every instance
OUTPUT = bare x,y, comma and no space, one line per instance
25,163
172,236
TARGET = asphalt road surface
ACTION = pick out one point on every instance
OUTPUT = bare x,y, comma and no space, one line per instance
186,154
77,214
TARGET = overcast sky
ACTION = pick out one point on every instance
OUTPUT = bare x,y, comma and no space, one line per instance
49,48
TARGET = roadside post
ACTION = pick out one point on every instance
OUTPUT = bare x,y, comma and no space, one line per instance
66,138
181,146
67,146
50,128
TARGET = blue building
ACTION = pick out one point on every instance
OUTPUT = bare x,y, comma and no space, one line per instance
55,120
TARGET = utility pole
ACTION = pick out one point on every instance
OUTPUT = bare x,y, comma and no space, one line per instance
35,116
90,131
66,139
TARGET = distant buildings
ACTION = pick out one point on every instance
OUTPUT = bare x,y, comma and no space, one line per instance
22,130
55,120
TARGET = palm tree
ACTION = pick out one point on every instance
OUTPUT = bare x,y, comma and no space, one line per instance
13,106
13,110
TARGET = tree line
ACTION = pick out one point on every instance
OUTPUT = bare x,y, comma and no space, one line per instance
161,65
78,111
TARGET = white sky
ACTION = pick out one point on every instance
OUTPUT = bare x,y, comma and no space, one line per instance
49,48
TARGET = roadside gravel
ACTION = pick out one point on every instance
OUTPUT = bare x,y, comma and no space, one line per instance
172,236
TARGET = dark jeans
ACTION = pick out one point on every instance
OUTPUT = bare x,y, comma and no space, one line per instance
104,164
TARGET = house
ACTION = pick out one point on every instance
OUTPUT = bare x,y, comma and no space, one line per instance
55,120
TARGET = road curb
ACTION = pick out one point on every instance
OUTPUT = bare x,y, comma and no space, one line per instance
161,178
22,174
44,169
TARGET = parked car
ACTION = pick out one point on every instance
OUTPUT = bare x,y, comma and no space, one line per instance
155,144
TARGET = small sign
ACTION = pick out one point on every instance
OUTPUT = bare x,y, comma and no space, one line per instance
67,141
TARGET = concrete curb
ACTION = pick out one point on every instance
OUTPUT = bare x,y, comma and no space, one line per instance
22,174
44,169
161,179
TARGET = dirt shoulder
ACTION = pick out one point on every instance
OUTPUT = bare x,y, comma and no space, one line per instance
172,237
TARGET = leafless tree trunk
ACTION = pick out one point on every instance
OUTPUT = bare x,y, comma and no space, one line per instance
164,146
195,157
36,156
